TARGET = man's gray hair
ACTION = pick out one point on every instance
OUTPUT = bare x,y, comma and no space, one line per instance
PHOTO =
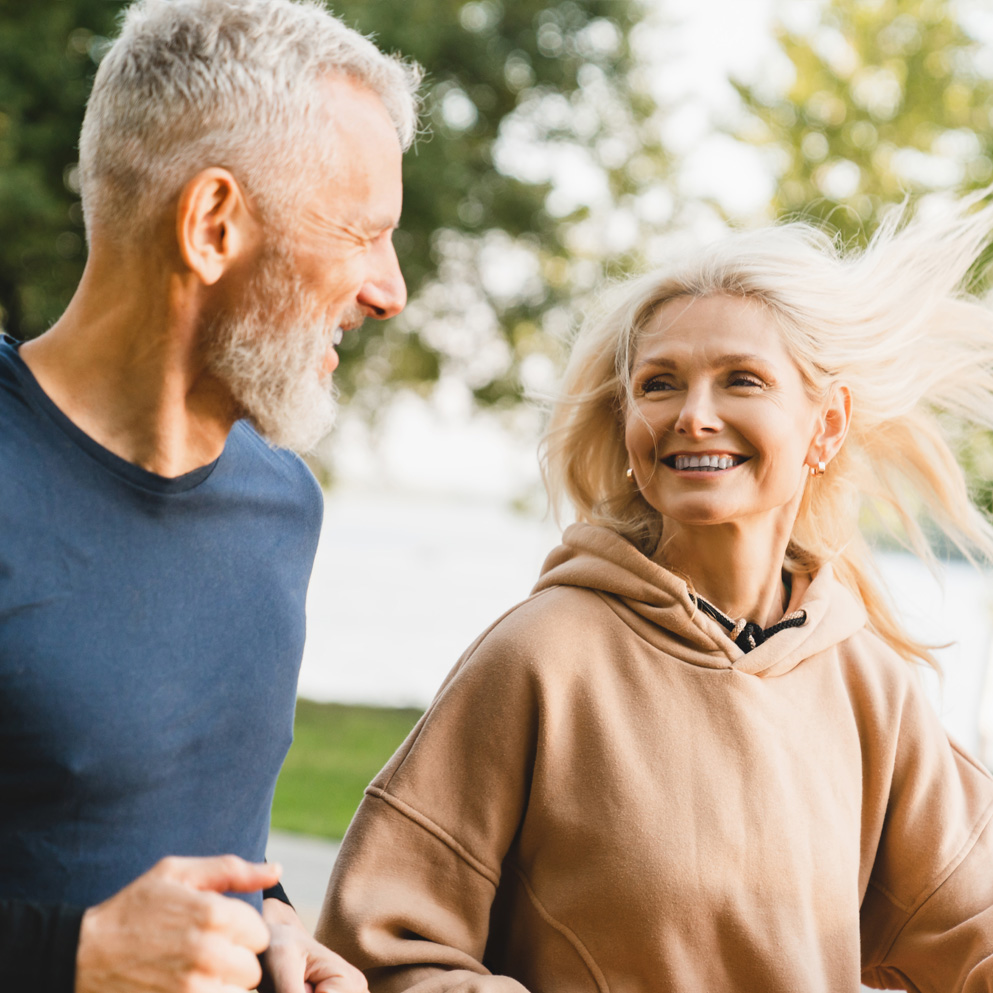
191,84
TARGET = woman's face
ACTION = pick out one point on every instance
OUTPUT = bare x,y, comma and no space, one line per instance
721,425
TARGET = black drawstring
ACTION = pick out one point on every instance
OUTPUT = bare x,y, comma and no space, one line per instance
747,634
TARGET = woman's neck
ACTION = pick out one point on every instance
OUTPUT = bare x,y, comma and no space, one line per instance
737,569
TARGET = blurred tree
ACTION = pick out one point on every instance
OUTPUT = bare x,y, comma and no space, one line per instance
48,53
495,256
517,95
887,97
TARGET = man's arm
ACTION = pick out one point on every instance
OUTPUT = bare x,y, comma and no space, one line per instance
167,928
38,945
172,929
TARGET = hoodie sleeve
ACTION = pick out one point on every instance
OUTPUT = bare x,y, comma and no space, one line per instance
927,916
410,897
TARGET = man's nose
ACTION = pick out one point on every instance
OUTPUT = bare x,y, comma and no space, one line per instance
384,294
698,415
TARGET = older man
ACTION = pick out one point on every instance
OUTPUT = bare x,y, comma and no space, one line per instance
240,164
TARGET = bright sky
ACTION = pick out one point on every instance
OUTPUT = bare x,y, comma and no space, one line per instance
715,40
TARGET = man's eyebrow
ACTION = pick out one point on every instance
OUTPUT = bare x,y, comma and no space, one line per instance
383,223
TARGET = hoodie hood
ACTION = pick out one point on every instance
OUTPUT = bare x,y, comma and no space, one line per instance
665,613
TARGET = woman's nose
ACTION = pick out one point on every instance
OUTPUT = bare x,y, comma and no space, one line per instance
698,414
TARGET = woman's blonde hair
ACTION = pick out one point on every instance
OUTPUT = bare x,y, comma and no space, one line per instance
893,322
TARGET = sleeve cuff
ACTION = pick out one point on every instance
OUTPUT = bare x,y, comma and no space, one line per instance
276,893
38,946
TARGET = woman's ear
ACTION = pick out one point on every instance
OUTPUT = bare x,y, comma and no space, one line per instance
214,225
833,424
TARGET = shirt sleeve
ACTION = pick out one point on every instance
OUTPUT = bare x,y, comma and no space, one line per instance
927,915
277,893
410,897
38,945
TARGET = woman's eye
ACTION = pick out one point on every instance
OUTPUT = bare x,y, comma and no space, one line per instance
656,386
746,379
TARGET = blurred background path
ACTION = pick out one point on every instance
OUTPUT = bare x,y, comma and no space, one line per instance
404,583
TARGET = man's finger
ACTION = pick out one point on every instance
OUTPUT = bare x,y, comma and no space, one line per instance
229,963
330,973
221,873
343,984
235,920
286,963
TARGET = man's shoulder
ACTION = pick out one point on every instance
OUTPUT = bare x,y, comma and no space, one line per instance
277,470
21,428
13,388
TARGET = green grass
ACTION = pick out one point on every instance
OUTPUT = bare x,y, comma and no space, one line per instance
337,749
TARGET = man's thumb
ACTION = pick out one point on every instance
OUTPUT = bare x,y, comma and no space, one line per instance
222,873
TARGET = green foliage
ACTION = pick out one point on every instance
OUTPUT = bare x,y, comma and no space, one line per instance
514,75
889,97
48,53
501,75
337,750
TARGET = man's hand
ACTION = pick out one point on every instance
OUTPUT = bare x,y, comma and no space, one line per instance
296,963
171,931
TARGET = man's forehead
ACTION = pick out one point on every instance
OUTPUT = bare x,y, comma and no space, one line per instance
353,105
370,210
362,142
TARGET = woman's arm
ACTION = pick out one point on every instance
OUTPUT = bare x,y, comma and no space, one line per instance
410,898
408,907
947,943
927,915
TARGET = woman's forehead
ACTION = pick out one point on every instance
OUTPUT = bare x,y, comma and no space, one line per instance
713,324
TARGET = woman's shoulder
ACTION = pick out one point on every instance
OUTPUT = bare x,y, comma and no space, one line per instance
558,616
867,658
551,631
554,611
878,679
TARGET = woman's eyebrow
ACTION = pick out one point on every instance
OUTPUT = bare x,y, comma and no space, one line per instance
742,358
734,358
667,364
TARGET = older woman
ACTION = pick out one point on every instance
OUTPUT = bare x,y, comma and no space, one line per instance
697,758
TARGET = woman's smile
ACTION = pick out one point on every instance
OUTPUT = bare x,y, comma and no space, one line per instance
707,463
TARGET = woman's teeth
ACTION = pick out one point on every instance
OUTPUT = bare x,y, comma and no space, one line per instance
712,463
337,335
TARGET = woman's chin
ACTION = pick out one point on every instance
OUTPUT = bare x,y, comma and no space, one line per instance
692,513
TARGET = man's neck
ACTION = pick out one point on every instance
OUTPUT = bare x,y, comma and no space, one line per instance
124,364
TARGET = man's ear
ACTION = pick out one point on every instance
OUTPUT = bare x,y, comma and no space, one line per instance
836,417
214,225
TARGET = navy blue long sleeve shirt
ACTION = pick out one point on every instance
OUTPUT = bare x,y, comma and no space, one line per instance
151,631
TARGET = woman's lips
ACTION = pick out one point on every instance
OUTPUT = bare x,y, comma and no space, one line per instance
709,462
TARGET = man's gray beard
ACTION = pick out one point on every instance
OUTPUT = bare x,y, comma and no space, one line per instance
271,356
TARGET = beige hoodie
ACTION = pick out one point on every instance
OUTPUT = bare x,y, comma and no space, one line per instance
607,794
